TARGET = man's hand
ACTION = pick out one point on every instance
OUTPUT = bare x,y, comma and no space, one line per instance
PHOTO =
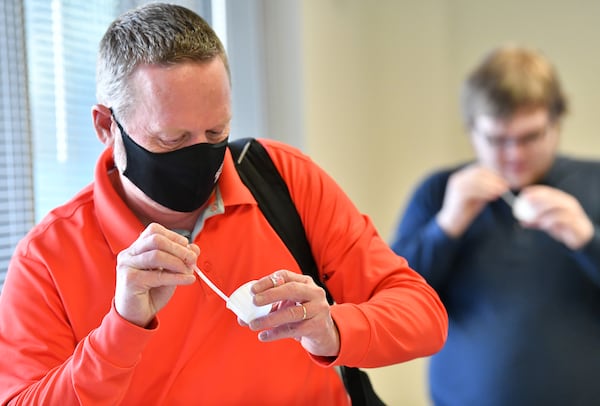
301,312
149,271
467,193
559,214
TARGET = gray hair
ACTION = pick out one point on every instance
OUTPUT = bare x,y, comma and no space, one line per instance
511,78
154,34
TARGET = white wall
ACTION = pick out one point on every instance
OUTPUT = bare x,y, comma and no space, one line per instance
377,104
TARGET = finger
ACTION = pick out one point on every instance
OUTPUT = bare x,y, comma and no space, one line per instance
194,248
155,228
274,280
277,278
161,250
301,289
158,256
304,311
286,313
277,333
148,279
154,241
542,194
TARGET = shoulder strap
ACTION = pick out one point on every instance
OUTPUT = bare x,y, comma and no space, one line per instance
261,177
259,174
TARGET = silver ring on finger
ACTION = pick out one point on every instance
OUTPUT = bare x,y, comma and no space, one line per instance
277,280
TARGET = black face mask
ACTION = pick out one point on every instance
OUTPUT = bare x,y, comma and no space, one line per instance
181,180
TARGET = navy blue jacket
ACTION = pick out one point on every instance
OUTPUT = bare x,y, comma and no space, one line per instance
524,309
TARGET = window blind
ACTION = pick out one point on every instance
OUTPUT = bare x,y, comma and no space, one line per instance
48,147
16,189
62,42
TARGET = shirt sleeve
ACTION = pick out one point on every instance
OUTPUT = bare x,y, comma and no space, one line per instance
43,362
588,257
385,312
573,177
420,239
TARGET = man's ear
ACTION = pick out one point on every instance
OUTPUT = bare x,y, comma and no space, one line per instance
102,119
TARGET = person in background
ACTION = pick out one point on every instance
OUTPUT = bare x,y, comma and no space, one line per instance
102,304
511,244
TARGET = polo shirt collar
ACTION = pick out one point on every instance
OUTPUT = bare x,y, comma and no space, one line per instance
233,190
119,224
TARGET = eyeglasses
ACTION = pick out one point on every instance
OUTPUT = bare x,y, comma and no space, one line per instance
525,141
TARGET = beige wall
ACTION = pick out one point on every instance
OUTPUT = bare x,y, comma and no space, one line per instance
381,82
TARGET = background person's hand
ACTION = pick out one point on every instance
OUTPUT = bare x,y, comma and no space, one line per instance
559,214
149,271
301,312
467,192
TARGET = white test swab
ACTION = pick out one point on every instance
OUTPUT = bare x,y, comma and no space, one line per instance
210,284
509,197
240,301
522,210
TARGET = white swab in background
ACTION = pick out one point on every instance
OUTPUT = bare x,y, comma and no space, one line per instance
521,208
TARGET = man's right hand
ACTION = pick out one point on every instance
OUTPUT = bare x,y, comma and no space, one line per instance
467,192
149,271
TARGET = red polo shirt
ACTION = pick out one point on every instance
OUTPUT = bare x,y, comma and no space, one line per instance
61,341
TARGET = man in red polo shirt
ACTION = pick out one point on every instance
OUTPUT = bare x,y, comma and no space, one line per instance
102,304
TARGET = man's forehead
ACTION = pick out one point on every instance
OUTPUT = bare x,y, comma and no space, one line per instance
521,122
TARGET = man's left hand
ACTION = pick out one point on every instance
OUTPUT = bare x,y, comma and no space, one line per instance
301,312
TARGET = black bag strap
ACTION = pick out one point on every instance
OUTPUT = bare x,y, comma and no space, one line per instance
259,174
261,177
